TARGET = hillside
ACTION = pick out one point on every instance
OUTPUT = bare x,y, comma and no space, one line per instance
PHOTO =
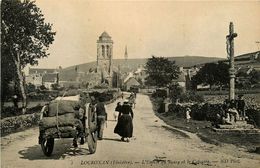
69,73
132,64
248,59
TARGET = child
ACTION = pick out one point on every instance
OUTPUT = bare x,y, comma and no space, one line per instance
188,110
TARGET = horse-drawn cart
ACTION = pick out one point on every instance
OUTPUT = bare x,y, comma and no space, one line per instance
59,122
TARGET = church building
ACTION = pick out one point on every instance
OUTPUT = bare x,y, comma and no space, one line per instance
105,58
102,73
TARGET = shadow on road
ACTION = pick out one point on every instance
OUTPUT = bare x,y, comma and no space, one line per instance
62,149
112,139
112,120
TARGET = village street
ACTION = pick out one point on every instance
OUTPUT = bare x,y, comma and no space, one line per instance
153,145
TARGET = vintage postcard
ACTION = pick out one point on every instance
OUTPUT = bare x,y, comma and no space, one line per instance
130,84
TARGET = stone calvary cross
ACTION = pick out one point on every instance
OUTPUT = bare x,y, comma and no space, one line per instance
230,51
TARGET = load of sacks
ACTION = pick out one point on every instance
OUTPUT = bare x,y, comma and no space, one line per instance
61,118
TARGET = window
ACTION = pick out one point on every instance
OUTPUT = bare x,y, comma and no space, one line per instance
103,51
108,51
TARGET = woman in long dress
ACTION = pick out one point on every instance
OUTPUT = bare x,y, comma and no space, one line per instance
117,110
124,126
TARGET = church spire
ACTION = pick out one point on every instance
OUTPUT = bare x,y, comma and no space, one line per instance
126,55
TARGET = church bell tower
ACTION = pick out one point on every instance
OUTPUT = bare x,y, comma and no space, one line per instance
104,58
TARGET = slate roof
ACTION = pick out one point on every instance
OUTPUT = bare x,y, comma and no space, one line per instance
105,34
40,70
104,37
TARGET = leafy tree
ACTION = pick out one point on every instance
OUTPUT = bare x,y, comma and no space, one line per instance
30,88
254,77
42,87
161,71
212,74
175,91
222,73
25,38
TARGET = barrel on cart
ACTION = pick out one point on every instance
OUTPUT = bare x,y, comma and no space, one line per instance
59,122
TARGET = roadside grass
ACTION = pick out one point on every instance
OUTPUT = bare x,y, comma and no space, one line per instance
203,129
176,132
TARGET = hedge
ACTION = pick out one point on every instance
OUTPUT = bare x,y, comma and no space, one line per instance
18,123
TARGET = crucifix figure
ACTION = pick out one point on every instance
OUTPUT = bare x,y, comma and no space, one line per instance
230,51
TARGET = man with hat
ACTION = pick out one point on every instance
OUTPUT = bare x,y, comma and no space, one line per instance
101,117
241,106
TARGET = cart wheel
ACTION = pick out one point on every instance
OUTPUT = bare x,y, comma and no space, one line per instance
92,142
47,146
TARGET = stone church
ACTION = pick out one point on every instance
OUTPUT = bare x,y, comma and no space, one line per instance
105,58
101,73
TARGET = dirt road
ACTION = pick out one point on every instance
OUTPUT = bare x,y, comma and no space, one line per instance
154,144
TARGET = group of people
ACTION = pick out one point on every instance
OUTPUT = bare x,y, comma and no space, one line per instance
123,115
233,110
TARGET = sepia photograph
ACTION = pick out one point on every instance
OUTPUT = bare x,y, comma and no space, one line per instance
130,84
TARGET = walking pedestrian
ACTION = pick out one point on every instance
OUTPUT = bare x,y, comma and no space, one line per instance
124,126
132,100
117,110
101,117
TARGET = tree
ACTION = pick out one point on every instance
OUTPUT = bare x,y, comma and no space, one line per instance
175,91
25,39
30,88
212,74
222,74
161,71
254,77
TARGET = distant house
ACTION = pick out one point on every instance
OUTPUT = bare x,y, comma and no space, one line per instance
35,79
140,74
181,80
41,70
49,79
40,76
244,70
131,81
252,57
244,74
185,76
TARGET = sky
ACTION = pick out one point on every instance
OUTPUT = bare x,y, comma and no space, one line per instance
160,28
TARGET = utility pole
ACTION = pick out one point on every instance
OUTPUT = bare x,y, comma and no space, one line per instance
230,51
126,54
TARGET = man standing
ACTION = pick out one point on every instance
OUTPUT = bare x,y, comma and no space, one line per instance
241,106
101,117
